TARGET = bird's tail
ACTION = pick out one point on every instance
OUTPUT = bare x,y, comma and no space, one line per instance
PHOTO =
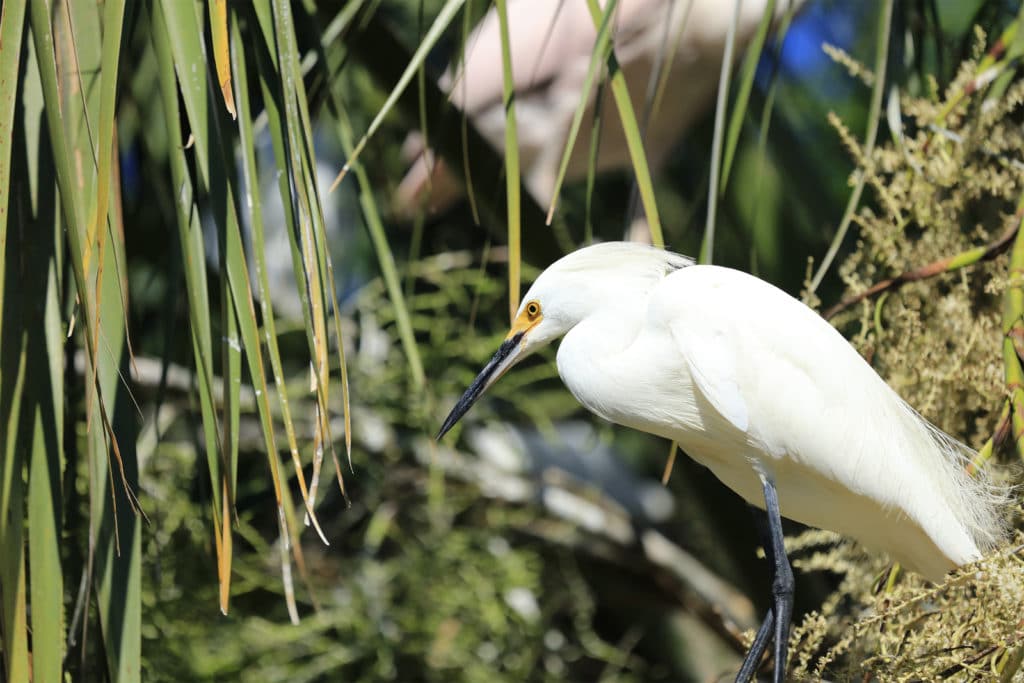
977,501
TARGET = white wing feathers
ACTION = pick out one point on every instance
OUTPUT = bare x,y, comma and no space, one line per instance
712,364
782,376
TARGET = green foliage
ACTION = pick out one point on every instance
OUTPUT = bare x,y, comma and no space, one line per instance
419,583
947,196
894,626
419,604
946,186
223,414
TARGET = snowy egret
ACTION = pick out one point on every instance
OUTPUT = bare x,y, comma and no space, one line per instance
761,390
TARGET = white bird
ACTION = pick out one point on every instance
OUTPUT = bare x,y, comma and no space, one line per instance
760,389
550,42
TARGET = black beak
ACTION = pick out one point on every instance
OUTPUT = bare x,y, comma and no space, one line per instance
503,359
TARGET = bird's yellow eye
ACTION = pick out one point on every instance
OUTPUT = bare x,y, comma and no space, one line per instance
532,310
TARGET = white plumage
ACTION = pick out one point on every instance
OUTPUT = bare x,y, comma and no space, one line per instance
749,380
757,387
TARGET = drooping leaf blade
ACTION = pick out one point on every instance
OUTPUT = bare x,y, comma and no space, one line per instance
745,85
634,141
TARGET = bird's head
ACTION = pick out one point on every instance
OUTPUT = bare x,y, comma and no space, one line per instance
567,292
541,319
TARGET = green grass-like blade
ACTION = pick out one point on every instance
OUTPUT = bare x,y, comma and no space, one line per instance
375,228
116,573
12,24
512,174
1014,50
308,210
708,243
592,155
237,281
874,114
444,18
79,109
385,258
193,262
219,32
13,612
300,128
65,172
421,89
745,85
231,379
110,441
185,39
188,54
273,96
113,20
597,57
114,507
284,98
12,497
765,226
41,434
221,185
247,146
117,576
197,293
270,85
634,141
330,286
273,103
463,127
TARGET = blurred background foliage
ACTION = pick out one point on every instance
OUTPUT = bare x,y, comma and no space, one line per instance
164,171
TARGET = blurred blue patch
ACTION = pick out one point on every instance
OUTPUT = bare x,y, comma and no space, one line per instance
131,181
801,57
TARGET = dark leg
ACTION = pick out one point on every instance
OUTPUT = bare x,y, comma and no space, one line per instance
776,622
767,629
761,640
782,581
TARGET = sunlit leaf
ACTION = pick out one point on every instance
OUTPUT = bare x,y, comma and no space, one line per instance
219,31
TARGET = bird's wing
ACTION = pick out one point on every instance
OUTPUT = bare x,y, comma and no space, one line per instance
744,344
801,395
711,360
755,354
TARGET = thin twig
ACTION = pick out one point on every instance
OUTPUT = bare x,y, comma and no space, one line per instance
874,111
708,247
999,435
943,265
1013,327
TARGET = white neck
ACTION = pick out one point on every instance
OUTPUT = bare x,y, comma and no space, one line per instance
600,336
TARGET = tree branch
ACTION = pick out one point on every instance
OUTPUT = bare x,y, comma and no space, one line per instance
943,265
